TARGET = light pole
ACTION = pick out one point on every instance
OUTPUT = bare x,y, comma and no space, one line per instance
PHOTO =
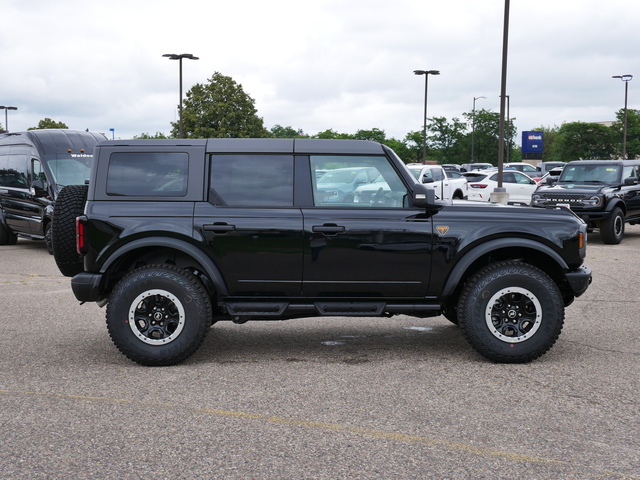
174,56
626,79
6,116
426,74
473,129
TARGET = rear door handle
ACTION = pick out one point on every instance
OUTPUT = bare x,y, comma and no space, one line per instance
328,229
220,227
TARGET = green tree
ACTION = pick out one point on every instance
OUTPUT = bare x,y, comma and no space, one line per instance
583,141
413,143
487,136
448,140
48,123
332,134
149,136
219,109
550,136
279,131
375,135
633,133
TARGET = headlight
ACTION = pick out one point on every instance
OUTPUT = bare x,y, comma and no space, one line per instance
536,200
594,201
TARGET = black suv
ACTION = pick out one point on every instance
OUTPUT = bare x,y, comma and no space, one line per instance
604,193
176,235
34,166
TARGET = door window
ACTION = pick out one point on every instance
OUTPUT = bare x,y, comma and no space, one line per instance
356,181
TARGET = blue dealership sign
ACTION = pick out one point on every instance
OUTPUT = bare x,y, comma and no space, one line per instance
532,142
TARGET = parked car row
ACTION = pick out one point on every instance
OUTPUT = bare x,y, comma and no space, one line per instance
519,186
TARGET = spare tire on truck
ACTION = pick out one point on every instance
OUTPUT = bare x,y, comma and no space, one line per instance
69,205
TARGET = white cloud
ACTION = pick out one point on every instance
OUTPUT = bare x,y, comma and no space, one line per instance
315,65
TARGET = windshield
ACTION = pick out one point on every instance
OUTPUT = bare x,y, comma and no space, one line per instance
588,173
68,170
415,172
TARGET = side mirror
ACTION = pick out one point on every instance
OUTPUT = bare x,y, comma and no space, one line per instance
551,180
630,181
422,196
37,189
427,180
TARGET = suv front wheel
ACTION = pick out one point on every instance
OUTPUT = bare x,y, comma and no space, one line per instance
511,312
159,315
612,228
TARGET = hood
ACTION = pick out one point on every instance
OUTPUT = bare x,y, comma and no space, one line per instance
585,188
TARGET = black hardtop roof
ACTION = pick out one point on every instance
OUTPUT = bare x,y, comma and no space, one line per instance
618,161
263,145
52,141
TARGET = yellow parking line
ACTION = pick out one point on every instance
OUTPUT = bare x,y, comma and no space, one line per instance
397,437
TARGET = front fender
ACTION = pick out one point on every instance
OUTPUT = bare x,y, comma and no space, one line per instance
477,252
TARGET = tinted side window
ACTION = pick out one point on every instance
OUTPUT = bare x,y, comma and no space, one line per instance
252,180
13,171
148,174
438,176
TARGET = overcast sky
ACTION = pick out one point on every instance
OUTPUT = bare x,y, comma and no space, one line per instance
315,65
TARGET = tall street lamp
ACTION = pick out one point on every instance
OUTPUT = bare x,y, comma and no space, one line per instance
174,56
626,79
426,74
6,117
473,129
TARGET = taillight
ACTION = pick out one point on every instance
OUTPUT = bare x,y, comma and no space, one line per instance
81,244
478,185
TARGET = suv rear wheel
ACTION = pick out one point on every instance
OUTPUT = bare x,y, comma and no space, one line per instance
159,315
511,312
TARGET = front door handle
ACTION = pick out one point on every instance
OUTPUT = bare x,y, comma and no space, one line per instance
328,229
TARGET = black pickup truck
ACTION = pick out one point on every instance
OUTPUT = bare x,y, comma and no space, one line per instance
604,193
176,235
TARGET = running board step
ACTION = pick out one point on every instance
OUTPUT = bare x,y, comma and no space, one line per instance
350,308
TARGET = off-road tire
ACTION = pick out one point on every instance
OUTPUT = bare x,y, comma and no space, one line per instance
511,312
47,238
69,205
7,237
159,315
612,227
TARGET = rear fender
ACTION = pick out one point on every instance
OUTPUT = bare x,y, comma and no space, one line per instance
176,244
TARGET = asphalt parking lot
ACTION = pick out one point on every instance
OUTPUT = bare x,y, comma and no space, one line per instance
330,398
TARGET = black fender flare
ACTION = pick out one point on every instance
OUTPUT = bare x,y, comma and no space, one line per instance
616,202
176,244
497,244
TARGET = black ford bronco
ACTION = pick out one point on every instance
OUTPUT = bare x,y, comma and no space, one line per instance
604,193
175,235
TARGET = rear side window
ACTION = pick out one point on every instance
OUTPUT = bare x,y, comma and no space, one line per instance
141,174
252,180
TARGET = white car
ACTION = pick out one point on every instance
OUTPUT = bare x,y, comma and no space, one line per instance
447,185
517,184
